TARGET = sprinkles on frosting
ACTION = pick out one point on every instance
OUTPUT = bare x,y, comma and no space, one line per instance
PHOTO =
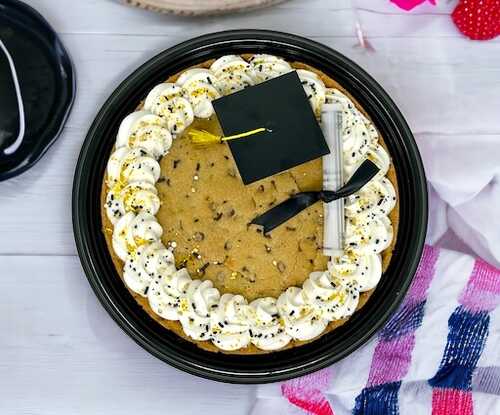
228,321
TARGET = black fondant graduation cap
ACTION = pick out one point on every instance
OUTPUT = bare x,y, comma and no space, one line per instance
281,106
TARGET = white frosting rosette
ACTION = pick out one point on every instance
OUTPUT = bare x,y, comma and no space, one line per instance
268,66
302,321
368,233
170,103
166,291
135,197
267,332
366,269
133,231
195,308
200,88
332,298
229,323
144,130
233,74
377,197
145,264
132,165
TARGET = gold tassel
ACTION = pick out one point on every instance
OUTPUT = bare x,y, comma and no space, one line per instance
203,137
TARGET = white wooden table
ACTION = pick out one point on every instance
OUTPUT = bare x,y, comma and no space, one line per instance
60,353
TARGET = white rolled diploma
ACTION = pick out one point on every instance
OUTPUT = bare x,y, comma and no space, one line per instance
333,178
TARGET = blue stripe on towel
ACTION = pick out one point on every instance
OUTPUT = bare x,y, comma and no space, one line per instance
378,400
466,339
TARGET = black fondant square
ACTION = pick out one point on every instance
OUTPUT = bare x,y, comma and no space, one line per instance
280,105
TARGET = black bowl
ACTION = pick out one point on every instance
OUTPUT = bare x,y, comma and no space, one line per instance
286,364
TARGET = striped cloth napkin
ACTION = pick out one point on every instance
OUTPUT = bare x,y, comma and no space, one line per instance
439,354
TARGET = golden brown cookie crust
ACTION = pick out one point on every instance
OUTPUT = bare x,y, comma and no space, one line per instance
207,226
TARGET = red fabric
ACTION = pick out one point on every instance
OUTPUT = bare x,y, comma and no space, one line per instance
451,401
478,19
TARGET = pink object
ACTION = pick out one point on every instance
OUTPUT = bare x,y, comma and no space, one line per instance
410,4
483,290
450,401
307,392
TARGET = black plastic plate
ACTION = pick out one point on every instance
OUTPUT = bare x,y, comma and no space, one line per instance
286,364
37,87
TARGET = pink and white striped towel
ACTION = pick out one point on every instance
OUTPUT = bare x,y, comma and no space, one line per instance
439,354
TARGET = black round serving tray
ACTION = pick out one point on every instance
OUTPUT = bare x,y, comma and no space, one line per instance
280,365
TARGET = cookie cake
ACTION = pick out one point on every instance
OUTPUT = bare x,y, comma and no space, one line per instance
177,217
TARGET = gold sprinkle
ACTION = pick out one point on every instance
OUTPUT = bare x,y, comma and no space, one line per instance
275,262
183,305
193,190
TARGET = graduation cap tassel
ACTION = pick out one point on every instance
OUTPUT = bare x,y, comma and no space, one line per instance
203,137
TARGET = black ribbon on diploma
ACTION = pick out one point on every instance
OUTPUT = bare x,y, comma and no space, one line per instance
298,202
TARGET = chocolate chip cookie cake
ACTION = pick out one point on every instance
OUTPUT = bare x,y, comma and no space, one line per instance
177,218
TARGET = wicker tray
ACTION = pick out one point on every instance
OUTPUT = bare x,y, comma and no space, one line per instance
201,7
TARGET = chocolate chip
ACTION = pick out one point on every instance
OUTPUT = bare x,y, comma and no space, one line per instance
217,216
231,213
176,163
291,228
268,249
281,266
228,245
201,270
231,172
